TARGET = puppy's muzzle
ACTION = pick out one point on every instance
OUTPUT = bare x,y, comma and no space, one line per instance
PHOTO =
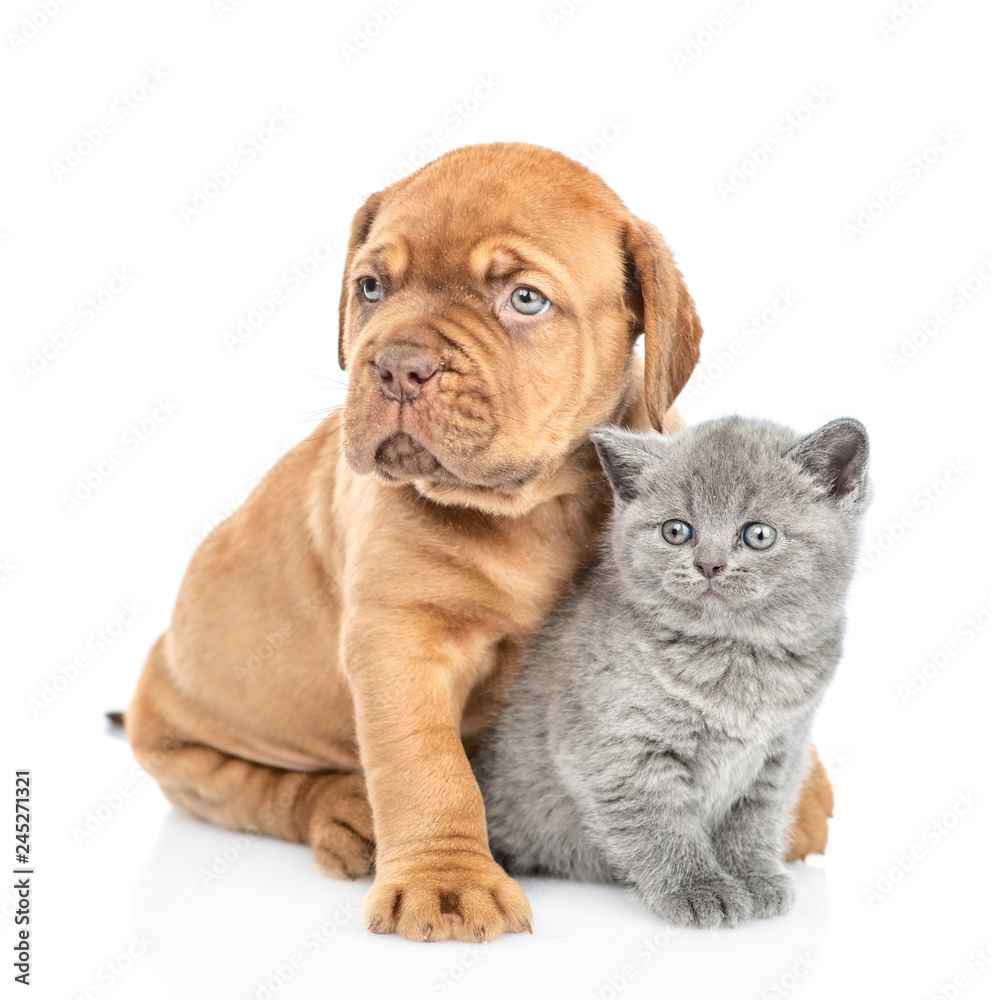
403,372
401,455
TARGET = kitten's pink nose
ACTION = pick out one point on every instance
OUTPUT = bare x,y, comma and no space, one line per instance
708,569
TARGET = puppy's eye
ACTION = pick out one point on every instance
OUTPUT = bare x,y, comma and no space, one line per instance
759,536
371,288
529,301
676,532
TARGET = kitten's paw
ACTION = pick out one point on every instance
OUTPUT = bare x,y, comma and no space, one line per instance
711,899
773,893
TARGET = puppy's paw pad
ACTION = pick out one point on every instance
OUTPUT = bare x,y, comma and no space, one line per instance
476,905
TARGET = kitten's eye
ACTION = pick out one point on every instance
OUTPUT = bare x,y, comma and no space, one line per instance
529,301
372,289
759,536
676,532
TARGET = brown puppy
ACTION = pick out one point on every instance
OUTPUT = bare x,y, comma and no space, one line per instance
355,625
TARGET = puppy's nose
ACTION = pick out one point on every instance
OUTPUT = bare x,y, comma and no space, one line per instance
708,569
403,372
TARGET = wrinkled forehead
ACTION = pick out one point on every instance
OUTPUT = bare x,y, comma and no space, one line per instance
493,227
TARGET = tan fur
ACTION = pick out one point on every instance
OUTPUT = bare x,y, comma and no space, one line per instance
356,624
810,831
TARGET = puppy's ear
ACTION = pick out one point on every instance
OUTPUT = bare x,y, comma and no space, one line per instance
360,225
665,313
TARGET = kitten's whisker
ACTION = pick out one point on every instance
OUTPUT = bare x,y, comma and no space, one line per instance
632,609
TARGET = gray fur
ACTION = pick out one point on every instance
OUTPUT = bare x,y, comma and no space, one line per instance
659,733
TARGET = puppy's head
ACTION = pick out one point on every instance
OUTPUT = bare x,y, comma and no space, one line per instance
488,315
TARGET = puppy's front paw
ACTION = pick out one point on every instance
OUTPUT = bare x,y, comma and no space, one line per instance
705,899
772,892
473,900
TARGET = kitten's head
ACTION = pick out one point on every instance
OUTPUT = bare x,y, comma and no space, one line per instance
737,527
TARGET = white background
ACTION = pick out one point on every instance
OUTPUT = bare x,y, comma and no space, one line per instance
601,83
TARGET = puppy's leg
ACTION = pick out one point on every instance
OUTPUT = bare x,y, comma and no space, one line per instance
435,877
330,811
810,828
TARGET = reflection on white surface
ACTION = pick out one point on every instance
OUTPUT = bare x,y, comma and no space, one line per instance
239,916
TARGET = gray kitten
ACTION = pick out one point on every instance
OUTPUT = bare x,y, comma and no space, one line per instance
659,734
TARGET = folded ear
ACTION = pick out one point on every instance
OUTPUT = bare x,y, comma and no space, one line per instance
665,313
836,457
360,225
625,457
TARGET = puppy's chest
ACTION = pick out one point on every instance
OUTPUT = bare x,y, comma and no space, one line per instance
543,559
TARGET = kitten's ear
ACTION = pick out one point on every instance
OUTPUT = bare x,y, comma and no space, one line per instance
836,457
625,456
